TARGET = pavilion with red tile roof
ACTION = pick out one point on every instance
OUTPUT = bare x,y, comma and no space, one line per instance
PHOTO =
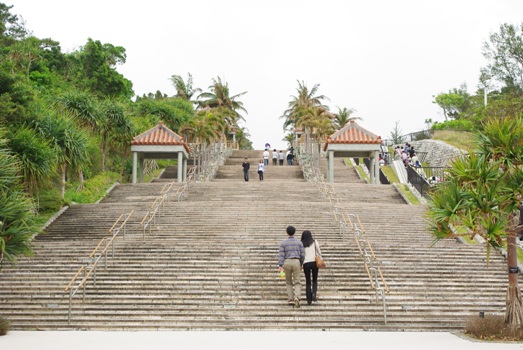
159,142
353,141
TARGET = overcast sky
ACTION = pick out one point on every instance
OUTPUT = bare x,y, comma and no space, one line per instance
383,58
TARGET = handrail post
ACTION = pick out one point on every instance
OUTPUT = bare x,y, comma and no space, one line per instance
112,248
70,306
94,271
83,286
105,254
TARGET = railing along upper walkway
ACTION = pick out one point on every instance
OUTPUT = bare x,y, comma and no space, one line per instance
208,158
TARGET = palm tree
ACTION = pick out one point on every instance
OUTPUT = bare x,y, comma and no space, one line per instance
113,125
302,104
184,90
203,128
306,111
343,117
17,214
81,106
36,157
69,142
242,137
317,123
481,196
289,138
219,99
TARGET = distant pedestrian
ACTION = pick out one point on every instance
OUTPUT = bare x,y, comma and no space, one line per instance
290,259
261,169
290,158
246,167
275,157
281,157
266,157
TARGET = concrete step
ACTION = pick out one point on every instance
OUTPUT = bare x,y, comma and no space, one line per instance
209,262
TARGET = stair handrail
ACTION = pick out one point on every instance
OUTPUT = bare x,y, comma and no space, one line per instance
149,219
217,154
346,220
371,263
156,207
150,216
189,179
94,258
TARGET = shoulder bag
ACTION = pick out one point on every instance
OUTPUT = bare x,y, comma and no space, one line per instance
320,263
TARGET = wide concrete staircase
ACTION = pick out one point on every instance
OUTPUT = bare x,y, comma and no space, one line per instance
210,262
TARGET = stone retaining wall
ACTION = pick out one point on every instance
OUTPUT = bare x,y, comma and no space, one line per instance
439,153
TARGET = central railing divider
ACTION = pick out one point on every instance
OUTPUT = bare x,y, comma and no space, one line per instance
350,222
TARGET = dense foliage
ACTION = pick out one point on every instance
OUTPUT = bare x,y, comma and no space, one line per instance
483,191
67,117
500,93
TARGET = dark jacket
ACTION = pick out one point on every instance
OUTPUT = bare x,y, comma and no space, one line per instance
246,166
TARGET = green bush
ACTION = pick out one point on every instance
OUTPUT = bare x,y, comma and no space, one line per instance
458,125
50,201
5,325
94,189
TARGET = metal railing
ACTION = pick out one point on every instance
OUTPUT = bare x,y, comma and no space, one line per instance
352,222
208,158
424,178
155,210
90,263
347,221
217,155
413,136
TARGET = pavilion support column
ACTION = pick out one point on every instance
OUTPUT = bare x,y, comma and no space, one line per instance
377,167
372,170
330,168
142,159
184,169
135,163
180,166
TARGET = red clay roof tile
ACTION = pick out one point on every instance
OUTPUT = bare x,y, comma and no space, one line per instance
352,133
158,136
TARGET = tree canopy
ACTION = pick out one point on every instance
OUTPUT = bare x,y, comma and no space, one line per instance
66,117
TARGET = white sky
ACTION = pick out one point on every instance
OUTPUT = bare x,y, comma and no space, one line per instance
383,58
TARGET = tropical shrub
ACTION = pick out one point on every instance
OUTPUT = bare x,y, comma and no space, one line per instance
5,325
458,125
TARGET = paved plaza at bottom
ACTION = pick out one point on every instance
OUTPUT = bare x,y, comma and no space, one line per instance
231,340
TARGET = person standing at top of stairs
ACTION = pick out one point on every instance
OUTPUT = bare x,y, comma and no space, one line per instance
266,157
275,157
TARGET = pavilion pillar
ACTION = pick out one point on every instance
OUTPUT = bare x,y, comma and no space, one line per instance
142,160
135,161
371,169
330,167
180,166
377,167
